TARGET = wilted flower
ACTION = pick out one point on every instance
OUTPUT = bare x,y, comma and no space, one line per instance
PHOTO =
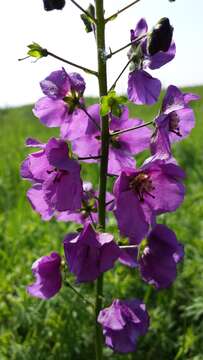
160,257
48,276
123,322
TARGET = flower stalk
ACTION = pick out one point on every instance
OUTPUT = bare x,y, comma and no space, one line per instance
92,72
102,79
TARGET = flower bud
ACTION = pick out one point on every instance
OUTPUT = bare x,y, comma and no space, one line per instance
159,39
53,4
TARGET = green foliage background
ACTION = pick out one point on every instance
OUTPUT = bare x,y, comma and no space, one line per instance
62,328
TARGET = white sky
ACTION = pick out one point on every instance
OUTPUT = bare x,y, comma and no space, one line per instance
62,32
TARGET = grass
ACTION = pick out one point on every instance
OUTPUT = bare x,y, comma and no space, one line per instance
62,328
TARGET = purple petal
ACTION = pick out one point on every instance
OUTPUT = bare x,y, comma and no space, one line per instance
86,146
119,158
35,196
89,254
128,257
159,259
130,217
77,82
143,88
75,126
123,322
48,277
186,124
140,29
56,85
35,167
52,113
168,190
137,140
63,193
190,97
160,143
30,142
173,100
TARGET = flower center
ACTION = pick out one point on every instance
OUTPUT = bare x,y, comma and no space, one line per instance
141,184
174,123
72,99
114,141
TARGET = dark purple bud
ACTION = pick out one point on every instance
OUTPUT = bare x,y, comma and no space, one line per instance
53,4
159,39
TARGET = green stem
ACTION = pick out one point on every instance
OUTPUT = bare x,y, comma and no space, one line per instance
131,129
92,72
120,11
119,76
134,42
79,294
102,78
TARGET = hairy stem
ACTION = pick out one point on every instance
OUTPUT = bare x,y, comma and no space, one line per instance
102,78
78,294
121,10
73,64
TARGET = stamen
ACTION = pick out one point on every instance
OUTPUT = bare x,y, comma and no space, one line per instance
141,184
174,123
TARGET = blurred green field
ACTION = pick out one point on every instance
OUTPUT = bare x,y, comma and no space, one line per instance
62,328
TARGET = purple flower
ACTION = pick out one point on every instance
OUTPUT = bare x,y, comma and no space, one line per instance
89,254
63,97
55,177
122,147
48,276
160,257
174,122
142,87
141,194
123,322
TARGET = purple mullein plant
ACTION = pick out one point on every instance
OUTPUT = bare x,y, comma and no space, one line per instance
110,138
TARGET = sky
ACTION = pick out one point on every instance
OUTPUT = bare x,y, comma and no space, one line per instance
62,33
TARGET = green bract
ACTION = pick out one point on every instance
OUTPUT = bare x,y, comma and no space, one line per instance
111,103
36,51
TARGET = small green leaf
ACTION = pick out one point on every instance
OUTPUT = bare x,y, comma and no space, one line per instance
116,110
88,20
